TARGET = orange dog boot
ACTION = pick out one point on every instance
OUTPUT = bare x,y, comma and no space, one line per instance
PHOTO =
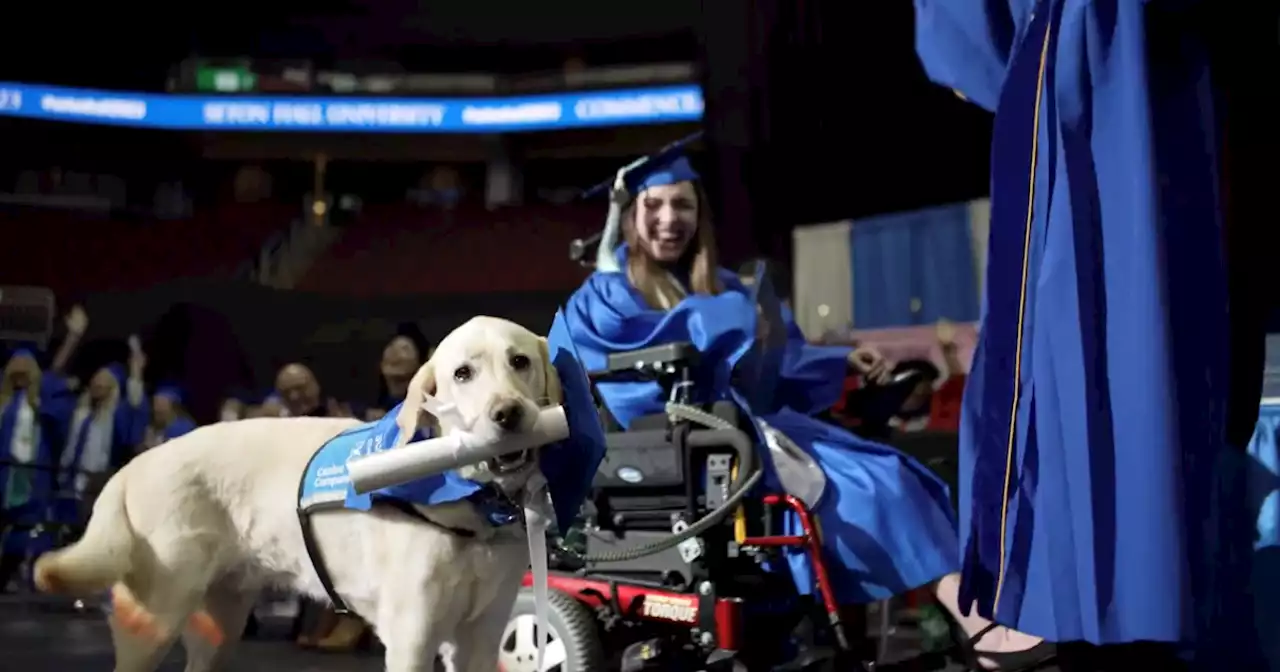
203,625
131,615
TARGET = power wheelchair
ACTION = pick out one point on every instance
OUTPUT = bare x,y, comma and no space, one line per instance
627,596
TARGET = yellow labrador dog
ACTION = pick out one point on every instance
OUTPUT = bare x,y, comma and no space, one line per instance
188,534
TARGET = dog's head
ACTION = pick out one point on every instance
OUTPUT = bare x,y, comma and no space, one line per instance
497,375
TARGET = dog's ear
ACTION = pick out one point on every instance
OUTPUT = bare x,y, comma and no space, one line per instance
554,393
411,416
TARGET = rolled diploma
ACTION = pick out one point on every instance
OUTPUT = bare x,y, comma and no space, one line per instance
421,459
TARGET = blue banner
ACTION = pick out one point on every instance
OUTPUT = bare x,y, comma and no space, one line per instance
629,107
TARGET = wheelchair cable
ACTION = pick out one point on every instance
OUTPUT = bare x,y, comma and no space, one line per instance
696,415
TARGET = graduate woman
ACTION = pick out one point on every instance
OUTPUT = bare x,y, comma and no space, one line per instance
887,522
1116,378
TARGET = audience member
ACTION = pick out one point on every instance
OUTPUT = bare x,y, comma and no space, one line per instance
35,409
401,358
106,428
169,418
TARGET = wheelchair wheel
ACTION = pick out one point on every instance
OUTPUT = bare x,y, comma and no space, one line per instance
574,642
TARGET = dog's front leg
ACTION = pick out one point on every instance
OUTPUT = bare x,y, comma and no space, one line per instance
412,627
477,641
476,644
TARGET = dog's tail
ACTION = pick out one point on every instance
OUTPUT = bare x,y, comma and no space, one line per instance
101,557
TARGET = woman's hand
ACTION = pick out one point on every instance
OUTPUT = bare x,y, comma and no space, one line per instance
868,361
946,333
137,358
77,321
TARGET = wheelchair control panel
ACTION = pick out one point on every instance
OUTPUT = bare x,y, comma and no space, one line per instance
659,360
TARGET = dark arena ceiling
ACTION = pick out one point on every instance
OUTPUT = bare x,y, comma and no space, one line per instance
131,44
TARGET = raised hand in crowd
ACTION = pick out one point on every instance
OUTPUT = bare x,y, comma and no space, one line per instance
77,322
137,358
869,362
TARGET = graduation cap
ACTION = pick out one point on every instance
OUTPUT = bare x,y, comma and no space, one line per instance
171,392
759,370
570,465
28,349
118,372
668,165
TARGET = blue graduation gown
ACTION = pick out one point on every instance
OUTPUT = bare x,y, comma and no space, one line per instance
887,523
180,425
1094,465
29,502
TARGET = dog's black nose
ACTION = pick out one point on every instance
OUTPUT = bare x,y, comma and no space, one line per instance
507,415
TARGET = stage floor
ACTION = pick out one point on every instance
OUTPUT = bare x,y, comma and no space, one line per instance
40,633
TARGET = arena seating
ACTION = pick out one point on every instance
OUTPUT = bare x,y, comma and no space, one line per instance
407,250
75,252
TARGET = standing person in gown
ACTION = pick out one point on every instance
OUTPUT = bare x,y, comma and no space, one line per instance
169,417
107,427
1117,375
887,522
35,409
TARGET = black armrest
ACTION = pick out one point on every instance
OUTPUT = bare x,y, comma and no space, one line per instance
648,363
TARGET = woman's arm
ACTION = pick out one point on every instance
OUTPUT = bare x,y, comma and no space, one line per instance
965,44
77,322
813,376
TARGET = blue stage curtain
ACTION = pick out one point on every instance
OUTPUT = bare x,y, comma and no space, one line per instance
913,268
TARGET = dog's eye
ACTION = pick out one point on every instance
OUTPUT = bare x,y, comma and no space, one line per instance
462,374
519,362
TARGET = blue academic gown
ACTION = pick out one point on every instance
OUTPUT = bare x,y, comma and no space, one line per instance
179,426
32,506
128,429
887,523
1096,483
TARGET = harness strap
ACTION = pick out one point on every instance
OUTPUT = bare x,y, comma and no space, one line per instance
316,558
413,512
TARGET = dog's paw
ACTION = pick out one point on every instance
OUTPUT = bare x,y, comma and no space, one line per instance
202,624
133,617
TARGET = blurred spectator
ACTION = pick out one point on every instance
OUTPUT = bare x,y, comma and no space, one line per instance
402,358
35,409
300,392
317,626
169,418
272,406
932,405
106,428
232,409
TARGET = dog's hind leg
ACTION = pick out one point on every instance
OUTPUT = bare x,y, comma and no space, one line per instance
227,605
164,589
141,633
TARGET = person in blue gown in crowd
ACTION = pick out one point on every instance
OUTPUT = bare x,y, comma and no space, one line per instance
107,427
169,417
35,409
1116,377
887,525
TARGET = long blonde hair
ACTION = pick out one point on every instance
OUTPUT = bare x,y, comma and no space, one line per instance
32,390
659,289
